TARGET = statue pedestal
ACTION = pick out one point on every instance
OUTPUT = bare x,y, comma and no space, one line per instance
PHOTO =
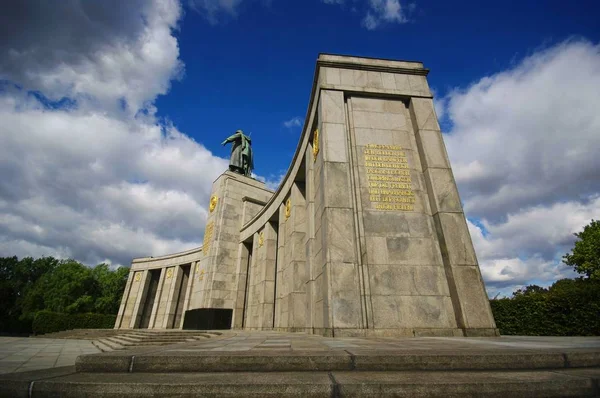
217,275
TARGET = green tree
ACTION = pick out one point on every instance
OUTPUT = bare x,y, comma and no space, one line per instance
17,278
585,255
112,285
69,288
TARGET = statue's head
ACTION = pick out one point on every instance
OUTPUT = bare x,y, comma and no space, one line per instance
242,133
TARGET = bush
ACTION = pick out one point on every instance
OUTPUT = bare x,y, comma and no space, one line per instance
49,322
570,307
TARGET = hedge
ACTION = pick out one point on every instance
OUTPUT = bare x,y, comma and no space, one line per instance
568,308
49,322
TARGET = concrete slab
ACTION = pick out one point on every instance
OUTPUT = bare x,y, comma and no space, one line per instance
22,354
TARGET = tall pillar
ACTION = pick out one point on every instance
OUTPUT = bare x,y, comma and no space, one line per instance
194,268
173,280
242,280
471,305
140,299
124,300
343,307
156,305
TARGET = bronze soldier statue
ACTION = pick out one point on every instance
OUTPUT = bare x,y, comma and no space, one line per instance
241,160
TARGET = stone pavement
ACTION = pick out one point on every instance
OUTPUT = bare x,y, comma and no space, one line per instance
21,354
245,363
255,341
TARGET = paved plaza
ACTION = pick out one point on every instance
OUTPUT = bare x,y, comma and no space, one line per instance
21,354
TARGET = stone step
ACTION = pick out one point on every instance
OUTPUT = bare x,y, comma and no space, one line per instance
284,361
113,345
500,384
170,334
102,346
159,338
128,337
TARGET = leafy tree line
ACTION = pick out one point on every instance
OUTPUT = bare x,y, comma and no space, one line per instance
29,286
570,307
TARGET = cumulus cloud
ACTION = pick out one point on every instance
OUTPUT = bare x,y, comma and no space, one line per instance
523,146
86,170
113,54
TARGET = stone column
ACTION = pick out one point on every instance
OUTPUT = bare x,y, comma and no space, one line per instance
140,299
282,287
124,300
156,304
310,235
340,279
242,278
252,299
471,305
194,266
174,284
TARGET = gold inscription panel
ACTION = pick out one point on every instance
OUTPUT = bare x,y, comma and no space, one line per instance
388,175
208,232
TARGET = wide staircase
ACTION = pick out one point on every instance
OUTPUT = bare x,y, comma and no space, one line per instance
138,338
110,339
289,365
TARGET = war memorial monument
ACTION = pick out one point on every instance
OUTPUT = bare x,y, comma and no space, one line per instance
356,278
366,235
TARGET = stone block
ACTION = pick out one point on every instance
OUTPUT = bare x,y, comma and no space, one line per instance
432,150
360,78
455,241
340,243
298,309
347,77
402,83
334,142
299,275
403,251
473,298
374,80
337,181
423,114
346,309
330,76
344,277
413,312
408,280
377,120
388,80
418,85
332,107
443,195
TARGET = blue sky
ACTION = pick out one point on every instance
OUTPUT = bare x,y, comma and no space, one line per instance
112,114
254,70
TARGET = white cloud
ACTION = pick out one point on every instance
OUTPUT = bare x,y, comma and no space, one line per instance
379,12
100,55
523,146
293,122
213,10
384,11
90,179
